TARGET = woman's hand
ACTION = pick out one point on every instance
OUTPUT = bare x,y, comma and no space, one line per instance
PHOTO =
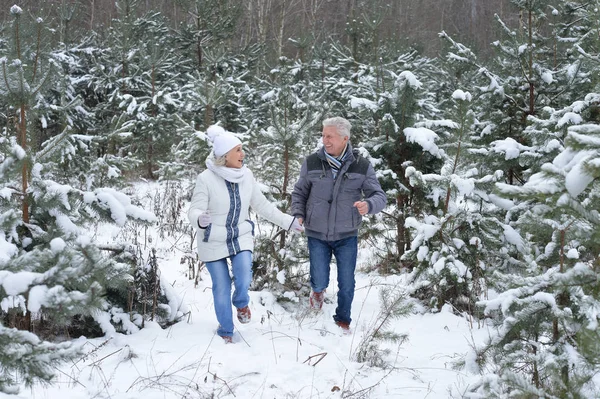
296,226
204,220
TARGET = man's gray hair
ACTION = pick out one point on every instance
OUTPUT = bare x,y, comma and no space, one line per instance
342,125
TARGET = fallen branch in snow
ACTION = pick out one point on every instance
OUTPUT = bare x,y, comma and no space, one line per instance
214,375
243,339
280,335
321,356
112,248
107,356
171,380
68,376
92,352
269,313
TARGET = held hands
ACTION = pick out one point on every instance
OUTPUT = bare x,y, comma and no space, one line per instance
296,226
362,206
204,220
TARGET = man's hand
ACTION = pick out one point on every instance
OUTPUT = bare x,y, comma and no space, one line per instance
362,206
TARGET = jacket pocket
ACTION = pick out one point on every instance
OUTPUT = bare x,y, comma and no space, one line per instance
322,188
207,233
251,224
353,181
352,186
317,216
352,221
356,219
309,212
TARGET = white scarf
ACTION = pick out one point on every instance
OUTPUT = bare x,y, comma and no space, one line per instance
233,175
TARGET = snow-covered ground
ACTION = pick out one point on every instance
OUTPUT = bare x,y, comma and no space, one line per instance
282,353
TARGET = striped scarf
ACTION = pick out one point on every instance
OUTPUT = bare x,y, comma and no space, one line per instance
336,162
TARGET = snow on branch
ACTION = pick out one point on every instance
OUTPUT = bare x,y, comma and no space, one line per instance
119,204
425,138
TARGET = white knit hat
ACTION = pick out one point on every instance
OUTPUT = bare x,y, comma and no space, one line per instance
222,141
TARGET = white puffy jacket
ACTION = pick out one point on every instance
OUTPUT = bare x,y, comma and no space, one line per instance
231,230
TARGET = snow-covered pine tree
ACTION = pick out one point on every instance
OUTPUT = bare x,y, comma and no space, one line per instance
546,326
544,342
533,68
20,358
459,235
54,279
283,131
200,97
394,305
363,34
136,79
155,101
217,92
541,70
383,103
65,108
463,238
24,357
211,25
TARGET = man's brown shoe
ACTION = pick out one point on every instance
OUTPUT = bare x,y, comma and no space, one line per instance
343,326
244,315
316,300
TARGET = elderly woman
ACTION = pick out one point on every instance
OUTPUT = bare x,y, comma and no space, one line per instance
219,211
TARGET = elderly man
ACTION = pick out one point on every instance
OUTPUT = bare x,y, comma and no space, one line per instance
336,188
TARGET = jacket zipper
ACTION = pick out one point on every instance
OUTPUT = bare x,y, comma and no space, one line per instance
233,217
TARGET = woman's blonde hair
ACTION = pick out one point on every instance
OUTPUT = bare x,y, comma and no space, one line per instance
219,161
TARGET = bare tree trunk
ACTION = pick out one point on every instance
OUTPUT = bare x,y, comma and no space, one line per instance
400,229
454,166
443,11
536,374
24,170
92,7
472,17
249,16
286,179
309,15
199,38
263,10
282,18
155,284
530,78
175,14
150,156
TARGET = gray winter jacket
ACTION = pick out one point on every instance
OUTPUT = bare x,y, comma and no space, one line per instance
326,204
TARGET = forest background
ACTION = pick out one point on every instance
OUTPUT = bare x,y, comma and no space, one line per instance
480,118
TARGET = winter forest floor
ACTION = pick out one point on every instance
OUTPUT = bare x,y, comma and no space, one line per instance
282,353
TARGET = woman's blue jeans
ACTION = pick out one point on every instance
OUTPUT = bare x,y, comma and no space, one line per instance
241,265
345,252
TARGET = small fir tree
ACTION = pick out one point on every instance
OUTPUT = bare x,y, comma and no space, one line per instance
53,275
292,114
136,79
544,323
